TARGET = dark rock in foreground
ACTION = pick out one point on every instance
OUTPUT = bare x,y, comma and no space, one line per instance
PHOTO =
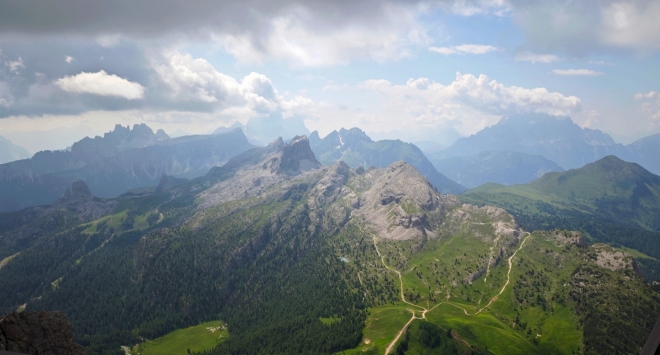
47,333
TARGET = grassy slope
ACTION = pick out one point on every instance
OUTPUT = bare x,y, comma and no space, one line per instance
534,315
196,339
428,270
609,189
610,201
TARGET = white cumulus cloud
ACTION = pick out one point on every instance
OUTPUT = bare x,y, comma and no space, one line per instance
578,72
15,65
101,83
536,58
469,102
464,49
650,107
481,7
196,80
649,95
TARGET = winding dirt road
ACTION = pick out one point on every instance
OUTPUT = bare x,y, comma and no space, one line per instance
426,310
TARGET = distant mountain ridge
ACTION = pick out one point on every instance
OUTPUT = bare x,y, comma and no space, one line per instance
120,161
85,151
10,152
118,140
646,151
355,148
556,138
502,167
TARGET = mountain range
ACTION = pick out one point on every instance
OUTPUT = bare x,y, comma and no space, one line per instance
297,257
263,130
558,139
355,148
503,167
10,152
120,160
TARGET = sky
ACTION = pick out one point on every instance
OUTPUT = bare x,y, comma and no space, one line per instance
70,68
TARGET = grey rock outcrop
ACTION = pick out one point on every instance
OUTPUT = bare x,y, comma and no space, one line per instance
38,333
398,203
254,171
297,157
79,191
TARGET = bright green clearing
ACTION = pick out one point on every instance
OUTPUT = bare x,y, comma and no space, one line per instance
198,338
329,321
7,260
635,253
381,328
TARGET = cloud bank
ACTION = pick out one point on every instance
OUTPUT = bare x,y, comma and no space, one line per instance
464,49
101,83
577,72
468,103
535,58
650,107
581,27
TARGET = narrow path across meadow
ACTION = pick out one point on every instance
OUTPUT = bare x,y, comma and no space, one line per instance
426,310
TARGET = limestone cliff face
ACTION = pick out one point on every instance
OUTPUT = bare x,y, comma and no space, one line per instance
399,202
297,156
38,333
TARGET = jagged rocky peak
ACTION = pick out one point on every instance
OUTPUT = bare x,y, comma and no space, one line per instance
402,204
38,333
297,156
276,143
401,182
254,171
119,139
161,135
79,191
329,187
353,136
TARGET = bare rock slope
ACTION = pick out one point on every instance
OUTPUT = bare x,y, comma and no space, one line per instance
255,171
400,201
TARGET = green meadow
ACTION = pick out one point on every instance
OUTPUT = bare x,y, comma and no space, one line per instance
198,338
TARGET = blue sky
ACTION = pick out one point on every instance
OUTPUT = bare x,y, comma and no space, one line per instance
415,67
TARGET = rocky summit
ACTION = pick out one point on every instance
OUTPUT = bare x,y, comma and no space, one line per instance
255,171
399,202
